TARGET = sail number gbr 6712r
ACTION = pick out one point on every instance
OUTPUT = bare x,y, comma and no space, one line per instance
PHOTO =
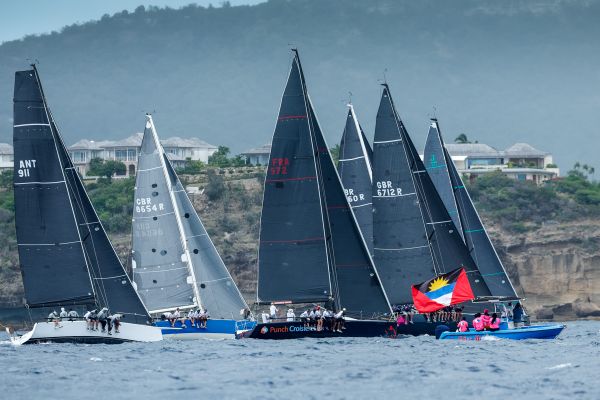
385,189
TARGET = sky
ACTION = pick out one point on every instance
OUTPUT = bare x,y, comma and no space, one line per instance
19,18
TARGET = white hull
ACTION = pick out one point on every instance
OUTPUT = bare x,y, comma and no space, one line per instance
196,336
76,332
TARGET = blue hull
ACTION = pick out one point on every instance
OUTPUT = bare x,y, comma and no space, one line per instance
527,332
215,329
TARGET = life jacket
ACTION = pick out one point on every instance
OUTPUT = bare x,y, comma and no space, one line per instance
478,324
463,326
486,320
495,324
400,320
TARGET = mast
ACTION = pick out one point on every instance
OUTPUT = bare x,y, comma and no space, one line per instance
186,250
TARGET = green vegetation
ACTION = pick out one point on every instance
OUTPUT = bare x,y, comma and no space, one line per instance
522,205
106,168
221,159
113,200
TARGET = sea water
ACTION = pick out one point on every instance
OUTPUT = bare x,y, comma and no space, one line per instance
371,368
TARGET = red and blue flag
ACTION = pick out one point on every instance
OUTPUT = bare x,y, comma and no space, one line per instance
442,291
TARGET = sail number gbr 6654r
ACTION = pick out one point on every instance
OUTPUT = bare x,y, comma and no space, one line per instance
385,189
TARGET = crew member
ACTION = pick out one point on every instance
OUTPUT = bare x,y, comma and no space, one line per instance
291,316
478,323
102,317
338,321
463,325
63,314
72,314
518,315
88,320
494,323
485,318
273,311
54,317
115,320
304,317
175,315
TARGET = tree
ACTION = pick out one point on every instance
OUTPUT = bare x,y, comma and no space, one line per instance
219,157
108,168
335,153
216,186
462,138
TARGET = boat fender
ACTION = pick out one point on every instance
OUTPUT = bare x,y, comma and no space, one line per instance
440,329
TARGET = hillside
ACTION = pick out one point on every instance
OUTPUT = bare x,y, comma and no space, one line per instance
552,253
502,71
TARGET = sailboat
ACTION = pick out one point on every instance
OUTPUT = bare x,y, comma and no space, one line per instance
449,184
457,201
175,263
414,236
65,256
354,167
311,249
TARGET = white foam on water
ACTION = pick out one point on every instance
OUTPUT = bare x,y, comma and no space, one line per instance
490,338
95,359
560,366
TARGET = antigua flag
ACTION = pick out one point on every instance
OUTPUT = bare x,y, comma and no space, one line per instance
442,291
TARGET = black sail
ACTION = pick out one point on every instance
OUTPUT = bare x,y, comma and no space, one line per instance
368,147
355,172
65,254
437,167
477,239
293,258
46,227
358,287
414,236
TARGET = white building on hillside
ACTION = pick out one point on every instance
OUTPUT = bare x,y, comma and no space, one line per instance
6,156
179,150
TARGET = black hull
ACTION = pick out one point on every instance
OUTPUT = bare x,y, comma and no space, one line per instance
354,328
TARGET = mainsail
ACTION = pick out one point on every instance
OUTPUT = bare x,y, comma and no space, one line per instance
175,262
437,167
414,236
476,237
355,172
311,249
64,252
